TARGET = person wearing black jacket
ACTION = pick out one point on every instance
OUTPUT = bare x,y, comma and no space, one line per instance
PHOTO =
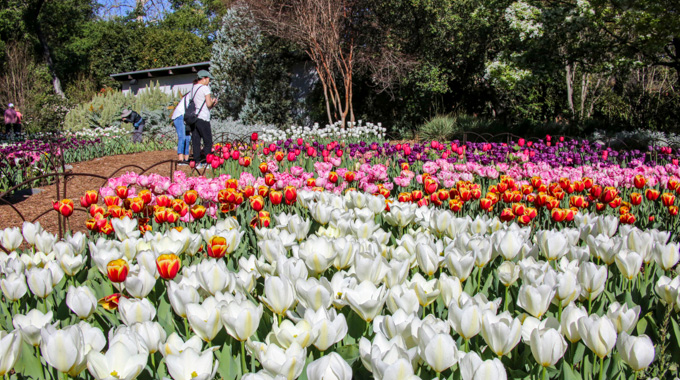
130,116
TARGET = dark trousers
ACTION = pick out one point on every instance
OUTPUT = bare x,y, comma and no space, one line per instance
201,130
16,128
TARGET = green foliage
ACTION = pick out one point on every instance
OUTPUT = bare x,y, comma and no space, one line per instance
105,108
251,71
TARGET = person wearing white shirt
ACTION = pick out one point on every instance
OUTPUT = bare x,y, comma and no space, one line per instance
203,101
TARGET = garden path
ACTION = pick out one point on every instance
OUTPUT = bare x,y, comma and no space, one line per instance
33,205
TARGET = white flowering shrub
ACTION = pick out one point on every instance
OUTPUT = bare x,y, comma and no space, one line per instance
525,19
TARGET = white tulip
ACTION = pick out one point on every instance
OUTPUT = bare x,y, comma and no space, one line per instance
63,349
466,320
567,287
44,241
426,291
13,286
440,352
366,300
402,298
629,263
450,288
139,282
535,299
598,333
30,325
271,249
318,253
329,367
552,244
624,318
428,259
569,322
638,352
473,368
313,293
71,264
204,318
507,244
81,301
370,267
11,238
192,365
667,289
30,230
501,332
135,310
279,295
592,279
288,332
241,319
214,276
125,228
508,273
396,272
40,281
92,336
287,363
174,345
181,295
548,346
328,327
666,255
121,361
10,348
459,264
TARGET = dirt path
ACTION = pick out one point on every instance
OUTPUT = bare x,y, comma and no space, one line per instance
33,205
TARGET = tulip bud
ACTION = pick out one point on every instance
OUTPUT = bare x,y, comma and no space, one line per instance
117,270
168,265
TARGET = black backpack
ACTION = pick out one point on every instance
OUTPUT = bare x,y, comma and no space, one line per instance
190,113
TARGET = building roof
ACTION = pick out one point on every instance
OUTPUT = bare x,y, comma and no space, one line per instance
162,72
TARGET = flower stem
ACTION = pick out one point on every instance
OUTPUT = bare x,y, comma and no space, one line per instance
545,373
602,368
243,358
506,299
559,312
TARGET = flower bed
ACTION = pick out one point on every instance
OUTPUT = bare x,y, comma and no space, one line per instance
354,265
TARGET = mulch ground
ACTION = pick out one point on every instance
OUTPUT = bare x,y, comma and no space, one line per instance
33,205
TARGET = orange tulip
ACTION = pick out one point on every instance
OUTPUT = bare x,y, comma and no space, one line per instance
290,194
430,185
455,205
349,176
507,215
137,205
146,196
190,197
122,192
263,167
197,211
256,202
672,183
248,191
635,199
269,179
117,270
667,199
518,208
110,302
217,247
652,194
168,265
416,195
333,177
275,197
536,181
486,204
673,210
404,197
404,166
627,219
558,214
279,156
164,201
639,181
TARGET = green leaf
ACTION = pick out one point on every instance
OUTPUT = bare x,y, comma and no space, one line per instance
356,325
29,364
568,373
229,366
349,352
641,326
676,331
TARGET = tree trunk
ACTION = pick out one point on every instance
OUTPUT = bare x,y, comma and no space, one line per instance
56,83
570,88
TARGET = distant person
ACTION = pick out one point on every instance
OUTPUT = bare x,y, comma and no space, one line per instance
130,116
17,126
183,133
11,119
203,101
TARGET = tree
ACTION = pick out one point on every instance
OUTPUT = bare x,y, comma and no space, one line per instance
323,29
251,71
